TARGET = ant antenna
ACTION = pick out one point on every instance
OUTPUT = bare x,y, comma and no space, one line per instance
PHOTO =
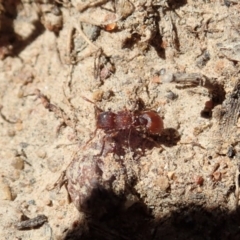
88,100
96,109
91,138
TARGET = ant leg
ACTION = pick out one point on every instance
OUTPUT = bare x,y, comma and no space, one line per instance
62,180
129,147
53,108
94,135
107,148
154,142
103,146
108,144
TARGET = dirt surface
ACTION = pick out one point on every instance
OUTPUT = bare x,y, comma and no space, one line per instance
181,58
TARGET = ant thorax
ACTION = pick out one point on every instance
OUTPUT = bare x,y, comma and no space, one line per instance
123,120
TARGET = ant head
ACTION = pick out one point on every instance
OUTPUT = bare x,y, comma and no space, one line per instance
106,120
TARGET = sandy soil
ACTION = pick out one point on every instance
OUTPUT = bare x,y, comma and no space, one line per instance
180,57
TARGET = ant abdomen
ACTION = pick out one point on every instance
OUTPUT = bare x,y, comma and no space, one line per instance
151,121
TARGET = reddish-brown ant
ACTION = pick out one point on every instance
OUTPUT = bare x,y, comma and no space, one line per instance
132,129
146,122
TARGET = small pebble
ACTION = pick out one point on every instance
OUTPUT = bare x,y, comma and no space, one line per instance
60,216
20,93
5,191
107,70
23,145
162,182
216,176
127,10
11,132
18,163
97,95
15,174
32,202
48,202
162,71
41,154
56,11
52,22
19,126
156,79
199,180
182,21
107,94
62,202
231,152
111,27
171,175
167,78
171,95
224,149
13,194
32,181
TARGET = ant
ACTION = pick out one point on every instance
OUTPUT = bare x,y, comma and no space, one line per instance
132,128
124,123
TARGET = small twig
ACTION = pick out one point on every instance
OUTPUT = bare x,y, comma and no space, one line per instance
80,31
214,87
194,79
97,63
91,4
194,144
66,145
32,223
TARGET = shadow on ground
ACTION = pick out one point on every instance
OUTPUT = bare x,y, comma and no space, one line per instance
12,44
136,222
